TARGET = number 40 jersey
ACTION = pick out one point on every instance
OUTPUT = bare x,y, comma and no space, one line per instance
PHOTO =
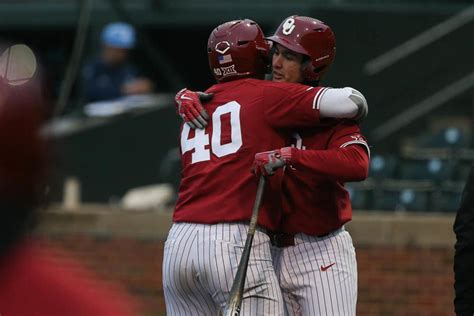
247,116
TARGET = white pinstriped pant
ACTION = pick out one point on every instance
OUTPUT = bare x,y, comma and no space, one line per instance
311,284
199,265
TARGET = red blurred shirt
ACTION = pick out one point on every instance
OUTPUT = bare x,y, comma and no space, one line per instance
216,183
35,282
314,199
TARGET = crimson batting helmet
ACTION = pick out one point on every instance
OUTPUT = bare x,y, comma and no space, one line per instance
309,37
238,49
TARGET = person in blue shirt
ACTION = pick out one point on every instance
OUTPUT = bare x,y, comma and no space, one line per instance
111,76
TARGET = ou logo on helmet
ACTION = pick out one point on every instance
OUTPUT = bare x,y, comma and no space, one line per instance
288,26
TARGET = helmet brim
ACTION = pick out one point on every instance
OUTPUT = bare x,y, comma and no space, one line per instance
287,44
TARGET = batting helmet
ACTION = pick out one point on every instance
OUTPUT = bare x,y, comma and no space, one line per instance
238,49
309,37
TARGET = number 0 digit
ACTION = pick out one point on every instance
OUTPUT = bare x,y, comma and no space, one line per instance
198,143
236,134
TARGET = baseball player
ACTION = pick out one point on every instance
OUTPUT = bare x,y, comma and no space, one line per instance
316,263
217,190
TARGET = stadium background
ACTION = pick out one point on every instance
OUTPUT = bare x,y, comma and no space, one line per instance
411,59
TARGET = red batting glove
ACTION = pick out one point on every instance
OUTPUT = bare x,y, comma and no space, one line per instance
189,107
267,162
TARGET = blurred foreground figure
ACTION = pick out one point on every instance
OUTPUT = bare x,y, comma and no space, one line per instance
464,252
33,281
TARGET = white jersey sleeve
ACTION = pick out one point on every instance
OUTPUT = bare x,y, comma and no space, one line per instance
342,103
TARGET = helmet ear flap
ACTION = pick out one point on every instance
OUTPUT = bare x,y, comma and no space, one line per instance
309,72
318,71
266,59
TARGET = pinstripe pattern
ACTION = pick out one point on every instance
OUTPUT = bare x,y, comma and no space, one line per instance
199,265
307,290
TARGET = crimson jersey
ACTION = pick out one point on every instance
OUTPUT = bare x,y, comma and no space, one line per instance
216,181
315,201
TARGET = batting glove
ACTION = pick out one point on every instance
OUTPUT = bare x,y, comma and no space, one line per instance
189,107
267,162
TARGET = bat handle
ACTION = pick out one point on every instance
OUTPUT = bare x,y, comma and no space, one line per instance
256,205
236,293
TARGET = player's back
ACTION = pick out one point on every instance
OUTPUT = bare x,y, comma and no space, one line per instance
217,184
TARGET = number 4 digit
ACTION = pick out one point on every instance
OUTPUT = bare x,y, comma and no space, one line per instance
198,143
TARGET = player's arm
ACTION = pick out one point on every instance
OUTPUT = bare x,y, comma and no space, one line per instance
345,160
295,105
286,105
346,164
343,164
343,103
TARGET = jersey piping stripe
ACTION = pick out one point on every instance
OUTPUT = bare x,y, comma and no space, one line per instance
318,104
360,142
316,98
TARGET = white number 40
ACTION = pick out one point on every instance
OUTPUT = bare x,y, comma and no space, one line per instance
201,139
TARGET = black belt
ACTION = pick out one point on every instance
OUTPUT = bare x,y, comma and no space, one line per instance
281,240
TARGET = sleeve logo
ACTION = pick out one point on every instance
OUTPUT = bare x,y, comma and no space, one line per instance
358,137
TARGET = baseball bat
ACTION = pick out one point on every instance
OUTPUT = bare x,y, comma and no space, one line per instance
236,293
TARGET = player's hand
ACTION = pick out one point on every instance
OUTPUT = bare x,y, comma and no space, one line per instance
267,162
189,107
